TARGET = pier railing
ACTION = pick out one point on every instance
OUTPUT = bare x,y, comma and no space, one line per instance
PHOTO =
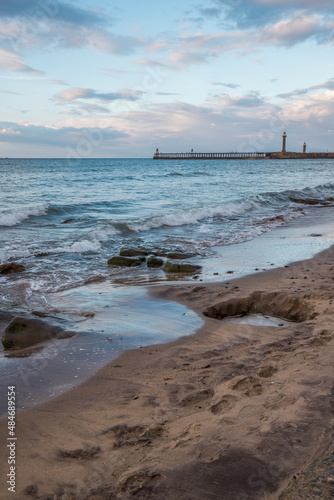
207,156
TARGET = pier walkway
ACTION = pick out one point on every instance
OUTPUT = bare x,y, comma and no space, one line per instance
208,156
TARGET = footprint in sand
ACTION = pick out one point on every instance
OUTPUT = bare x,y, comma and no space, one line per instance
250,386
197,397
225,404
267,371
130,435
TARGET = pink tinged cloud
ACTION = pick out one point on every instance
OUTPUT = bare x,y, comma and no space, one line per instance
293,30
78,94
12,61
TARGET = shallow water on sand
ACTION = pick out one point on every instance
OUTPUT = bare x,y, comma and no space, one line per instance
109,320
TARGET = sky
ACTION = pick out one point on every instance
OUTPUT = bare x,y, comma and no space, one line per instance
120,79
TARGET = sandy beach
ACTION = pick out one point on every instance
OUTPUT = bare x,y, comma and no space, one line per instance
233,412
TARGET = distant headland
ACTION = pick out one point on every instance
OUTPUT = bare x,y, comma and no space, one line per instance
277,155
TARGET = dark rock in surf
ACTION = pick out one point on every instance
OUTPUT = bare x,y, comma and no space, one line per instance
154,262
133,252
170,267
180,255
25,332
11,268
67,221
119,261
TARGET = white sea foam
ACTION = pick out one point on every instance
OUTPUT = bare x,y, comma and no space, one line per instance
18,215
257,227
186,217
103,234
8,253
85,246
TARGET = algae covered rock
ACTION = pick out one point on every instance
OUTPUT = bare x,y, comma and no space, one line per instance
25,332
119,261
154,262
11,268
180,255
185,268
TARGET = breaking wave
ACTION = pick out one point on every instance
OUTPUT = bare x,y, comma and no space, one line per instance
283,207
186,217
18,215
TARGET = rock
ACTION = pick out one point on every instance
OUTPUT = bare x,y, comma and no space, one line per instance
180,255
67,221
11,268
25,332
133,252
154,262
169,267
119,261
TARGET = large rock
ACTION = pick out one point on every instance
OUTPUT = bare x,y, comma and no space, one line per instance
119,261
133,252
25,332
179,255
169,267
154,262
11,268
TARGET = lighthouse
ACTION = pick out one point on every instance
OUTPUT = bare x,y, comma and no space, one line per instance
284,143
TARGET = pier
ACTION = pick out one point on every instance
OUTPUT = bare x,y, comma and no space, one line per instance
278,155
208,156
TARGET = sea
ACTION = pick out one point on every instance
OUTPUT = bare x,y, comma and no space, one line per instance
64,219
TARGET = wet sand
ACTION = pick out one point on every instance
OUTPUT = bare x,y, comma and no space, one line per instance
232,412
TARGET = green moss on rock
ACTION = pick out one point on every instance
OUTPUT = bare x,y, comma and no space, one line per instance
119,261
170,267
154,262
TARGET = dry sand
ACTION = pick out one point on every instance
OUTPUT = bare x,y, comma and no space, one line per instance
232,412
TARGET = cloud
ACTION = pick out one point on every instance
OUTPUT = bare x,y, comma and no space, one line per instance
329,85
149,62
313,111
256,13
295,4
166,93
12,61
188,50
58,82
50,9
50,23
251,100
228,85
9,92
78,93
86,109
210,12
294,30
55,136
